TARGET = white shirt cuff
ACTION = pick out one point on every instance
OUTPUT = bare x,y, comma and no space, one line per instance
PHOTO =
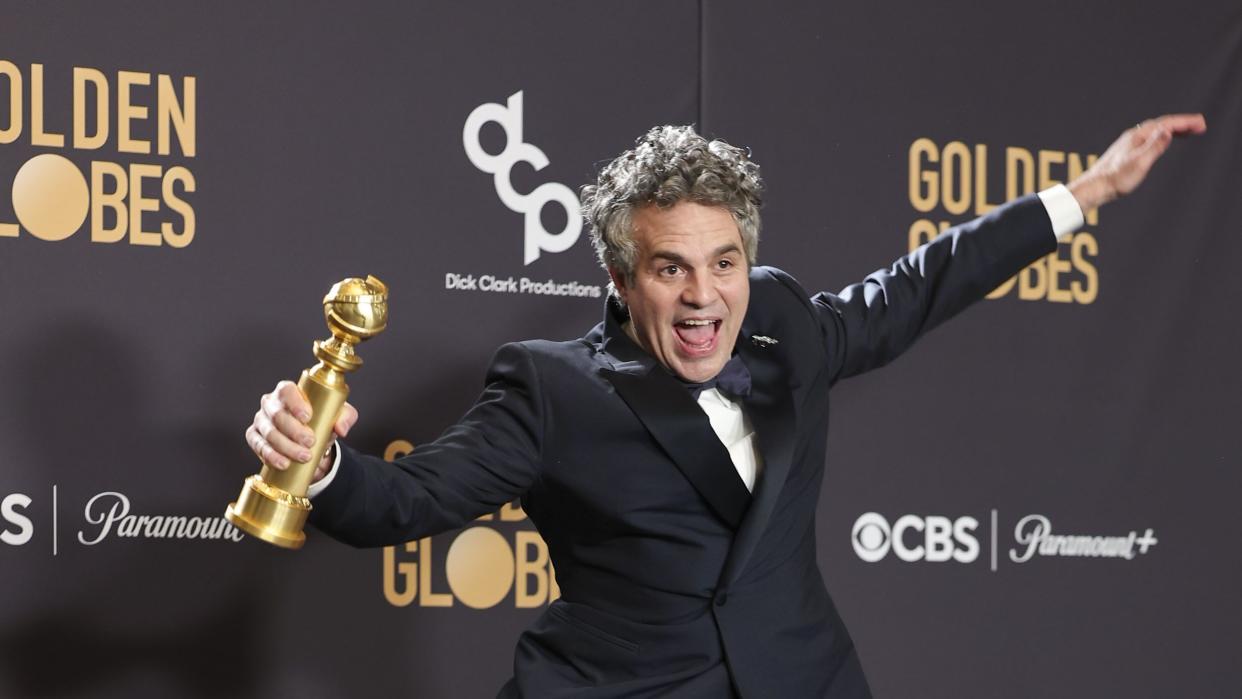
1063,209
319,486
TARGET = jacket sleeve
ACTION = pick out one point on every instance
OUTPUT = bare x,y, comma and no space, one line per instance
871,323
486,459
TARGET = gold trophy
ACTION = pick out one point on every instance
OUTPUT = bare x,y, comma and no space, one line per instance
273,505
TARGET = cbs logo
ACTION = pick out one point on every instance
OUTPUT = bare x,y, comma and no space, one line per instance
934,538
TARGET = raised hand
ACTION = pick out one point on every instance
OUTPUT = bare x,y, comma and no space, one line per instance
1125,164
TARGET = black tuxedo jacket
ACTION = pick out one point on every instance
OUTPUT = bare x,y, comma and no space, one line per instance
675,580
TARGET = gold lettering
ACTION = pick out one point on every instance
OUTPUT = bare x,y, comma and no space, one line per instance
921,231
955,151
1056,267
127,111
512,512
171,111
397,449
138,205
400,574
102,199
1083,246
186,178
981,181
1075,169
509,512
38,136
943,176
1048,158
429,598
919,176
82,76
1019,168
14,129
527,568
1033,281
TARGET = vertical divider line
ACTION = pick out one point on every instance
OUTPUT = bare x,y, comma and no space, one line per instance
55,532
993,539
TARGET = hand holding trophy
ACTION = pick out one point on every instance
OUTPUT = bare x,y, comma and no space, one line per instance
273,505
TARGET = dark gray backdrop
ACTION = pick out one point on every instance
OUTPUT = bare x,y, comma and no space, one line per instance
329,144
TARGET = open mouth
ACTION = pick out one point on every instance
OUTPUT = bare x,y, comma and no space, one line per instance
697,335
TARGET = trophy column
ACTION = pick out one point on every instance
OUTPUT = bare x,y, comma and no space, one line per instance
273,505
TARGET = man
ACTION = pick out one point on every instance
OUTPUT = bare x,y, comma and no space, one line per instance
672,457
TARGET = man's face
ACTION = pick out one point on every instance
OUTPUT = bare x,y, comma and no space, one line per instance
690,287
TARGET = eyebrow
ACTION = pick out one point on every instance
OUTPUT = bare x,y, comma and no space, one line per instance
678,259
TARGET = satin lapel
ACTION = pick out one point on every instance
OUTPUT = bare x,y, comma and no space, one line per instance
771,412
682,429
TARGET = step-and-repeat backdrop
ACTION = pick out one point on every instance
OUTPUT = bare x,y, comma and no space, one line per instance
1039,500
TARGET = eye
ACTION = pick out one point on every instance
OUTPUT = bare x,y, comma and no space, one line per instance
724,264
669,270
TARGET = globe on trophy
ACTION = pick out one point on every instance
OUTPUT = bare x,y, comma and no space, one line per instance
273,505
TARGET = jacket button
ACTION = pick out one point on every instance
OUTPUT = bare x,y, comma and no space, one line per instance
722,598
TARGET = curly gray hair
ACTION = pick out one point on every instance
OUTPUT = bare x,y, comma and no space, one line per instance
667,165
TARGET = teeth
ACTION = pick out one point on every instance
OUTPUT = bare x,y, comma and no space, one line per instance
698,322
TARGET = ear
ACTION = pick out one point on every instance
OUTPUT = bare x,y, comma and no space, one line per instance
618,282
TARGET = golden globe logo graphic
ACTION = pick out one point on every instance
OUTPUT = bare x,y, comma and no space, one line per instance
127,113
480,567
50,197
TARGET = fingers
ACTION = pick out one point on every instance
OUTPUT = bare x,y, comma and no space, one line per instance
325,465
1178,124
348,418
1146,156
1166,127
292,399
278,434
321,470
285,434
1126,163
264,450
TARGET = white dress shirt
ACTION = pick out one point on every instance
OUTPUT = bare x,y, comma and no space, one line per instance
732,427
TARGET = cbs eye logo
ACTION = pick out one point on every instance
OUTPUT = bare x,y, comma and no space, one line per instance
943,539
871,537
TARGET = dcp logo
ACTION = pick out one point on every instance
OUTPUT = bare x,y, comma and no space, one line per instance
943,539
500,166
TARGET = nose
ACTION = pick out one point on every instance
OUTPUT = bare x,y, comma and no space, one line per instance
699,291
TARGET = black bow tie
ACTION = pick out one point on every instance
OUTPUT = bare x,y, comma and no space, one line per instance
733,381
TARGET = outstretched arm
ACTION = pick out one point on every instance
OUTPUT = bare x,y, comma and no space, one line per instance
486,459
868,324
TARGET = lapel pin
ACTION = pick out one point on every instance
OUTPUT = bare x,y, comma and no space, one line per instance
764,340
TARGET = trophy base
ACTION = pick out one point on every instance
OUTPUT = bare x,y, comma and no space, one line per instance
269,513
